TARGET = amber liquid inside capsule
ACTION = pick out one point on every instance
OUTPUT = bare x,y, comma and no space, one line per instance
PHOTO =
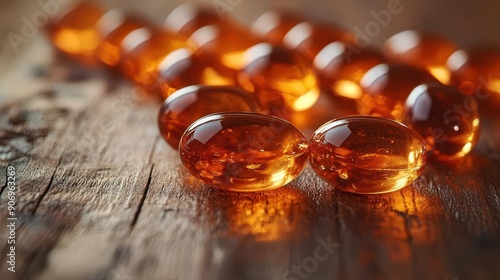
75,32
114,26
367,155
184,67
243,151
427,51
283,81
309,39
341,67
146,48
227,43
187,105
476,72
386,87
189,17
272,26
447,120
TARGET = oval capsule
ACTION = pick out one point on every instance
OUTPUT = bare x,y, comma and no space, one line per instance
243,151
367,155
75,34
423,50
188,104
283,81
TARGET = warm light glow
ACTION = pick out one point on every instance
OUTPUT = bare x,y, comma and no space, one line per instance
411,158
77,42
466,149
269,217
400,183
211,77
441,73
475,122
347,88
305,101
494,85
234,60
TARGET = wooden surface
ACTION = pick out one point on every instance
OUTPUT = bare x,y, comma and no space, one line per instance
101,196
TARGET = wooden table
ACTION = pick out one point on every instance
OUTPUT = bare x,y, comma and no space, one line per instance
101,196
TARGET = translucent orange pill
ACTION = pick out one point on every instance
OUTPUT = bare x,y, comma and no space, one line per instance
114,26
341,66
283,81
189,17
146,48
386,87
243,151
75,32
184,67
191,103
424,50
476,72
310,38
367,155
272,26
227,43
447,120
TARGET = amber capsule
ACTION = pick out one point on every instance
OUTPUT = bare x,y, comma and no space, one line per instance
184,67
272,26
186,18
191,103
447,120
113,27
283,81
227,43
386,87
310,38
476,72
341,66
424,50
243,151
146,48
75,32
367,155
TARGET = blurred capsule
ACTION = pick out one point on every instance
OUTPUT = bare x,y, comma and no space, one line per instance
424,50
447,120
272,26
284,82
341,66
476,72
310,38
114,26
386,87
75,33
184,67
225,42
189,17
145,49
188,104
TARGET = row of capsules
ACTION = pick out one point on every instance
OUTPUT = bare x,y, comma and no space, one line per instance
227,92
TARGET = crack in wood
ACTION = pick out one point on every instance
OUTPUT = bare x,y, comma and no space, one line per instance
143,198
46,190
